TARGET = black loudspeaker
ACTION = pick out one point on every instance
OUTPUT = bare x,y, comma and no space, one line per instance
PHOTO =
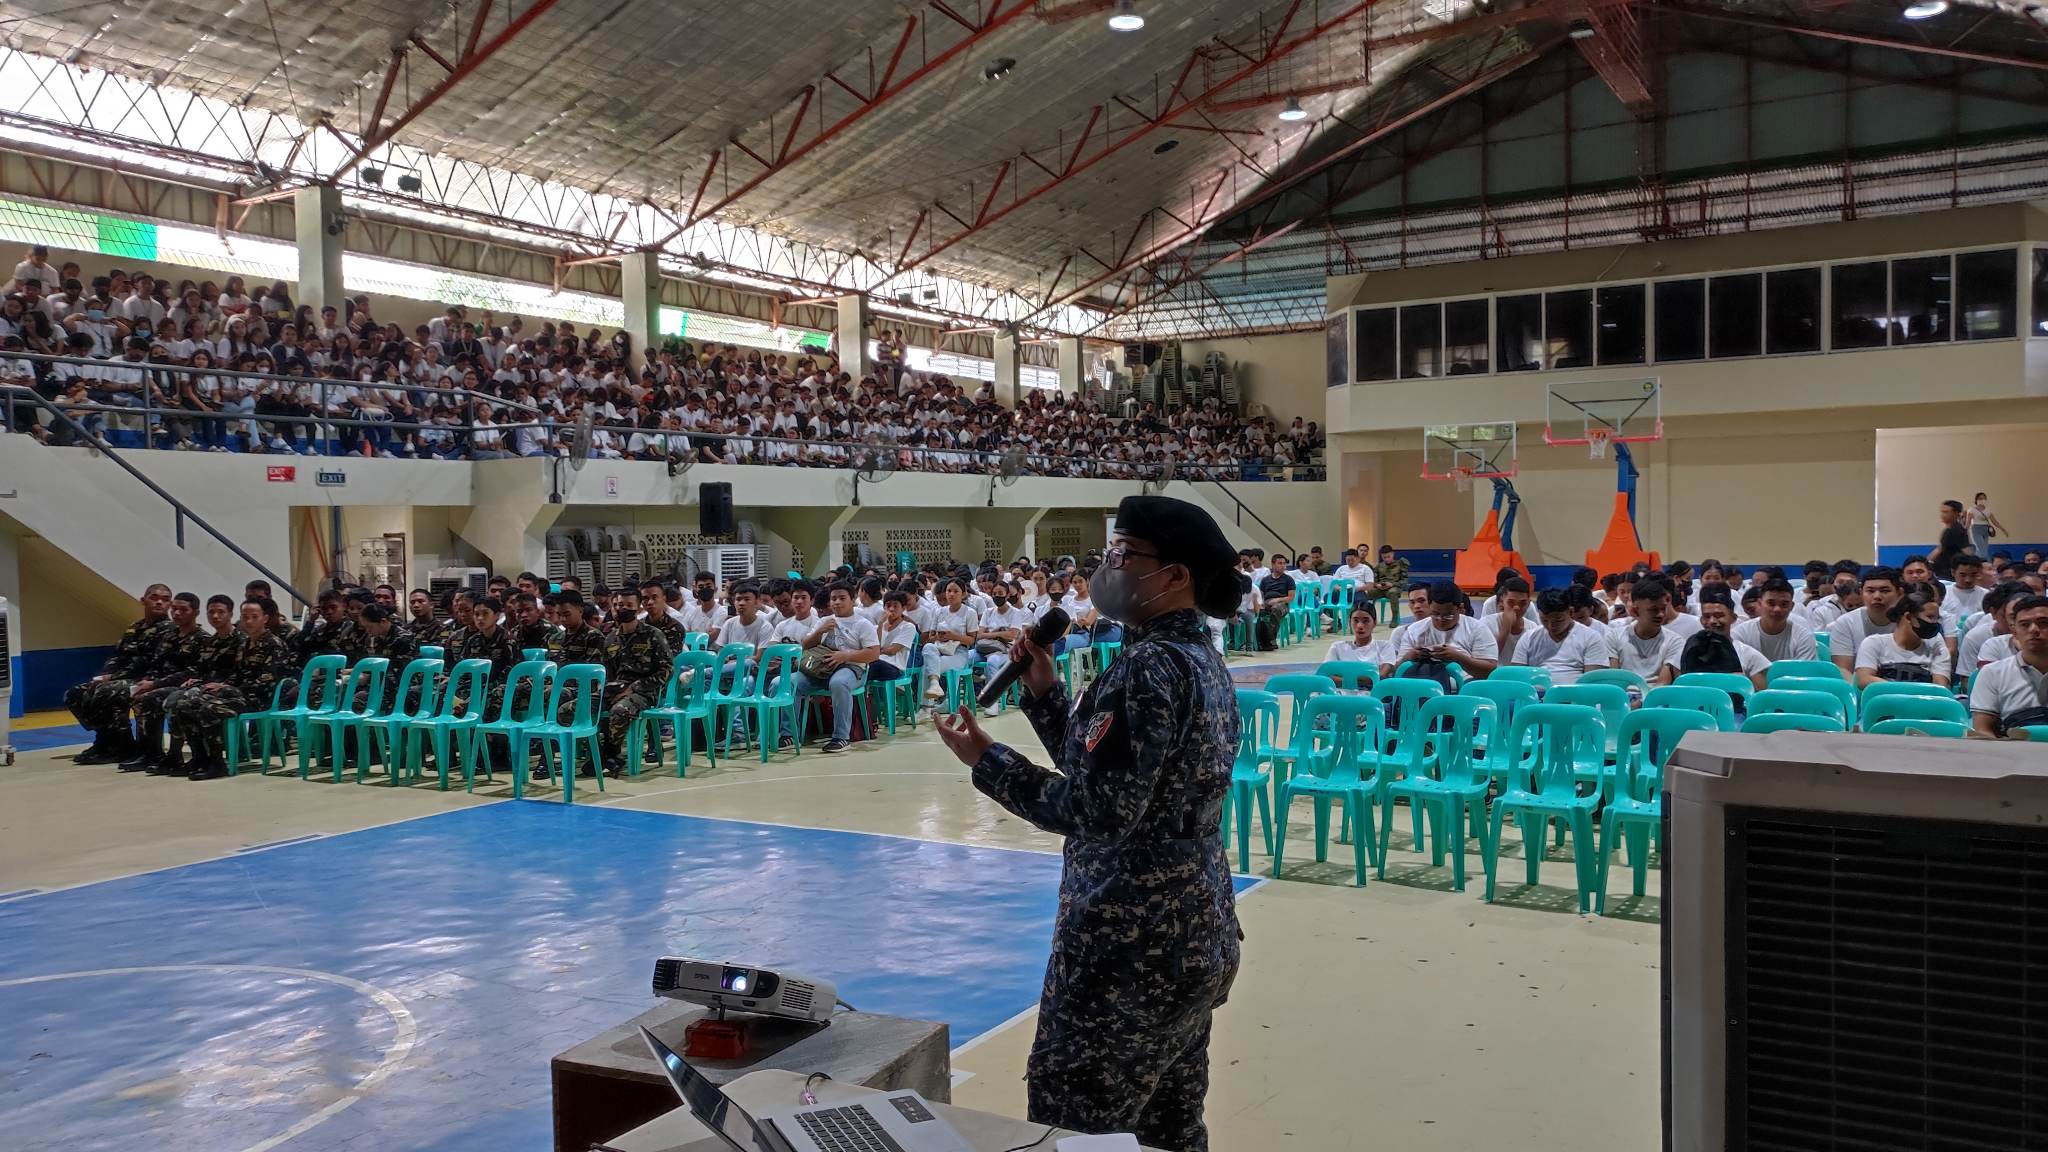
714,509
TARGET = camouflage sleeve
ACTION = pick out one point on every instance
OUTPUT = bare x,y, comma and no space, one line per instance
1102,797
1048,715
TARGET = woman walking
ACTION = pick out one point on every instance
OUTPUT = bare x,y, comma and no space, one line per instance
1982,523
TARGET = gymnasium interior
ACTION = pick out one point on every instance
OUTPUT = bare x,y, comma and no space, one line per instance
803,297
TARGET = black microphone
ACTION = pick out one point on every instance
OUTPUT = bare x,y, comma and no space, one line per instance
1045,634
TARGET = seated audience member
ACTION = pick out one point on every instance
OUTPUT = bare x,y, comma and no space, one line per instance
2012,693
1880,590
896,637
1448,636
748,624
1562,646
1642,644
1990,638
1276,597
1002,625
242,682
949,642
1509,618
1673,614
101,704
1351,566
1501,576
1846,596
845,645
1966,591
1360,647
636,673
704,613
1713,649
1774,632
1911,649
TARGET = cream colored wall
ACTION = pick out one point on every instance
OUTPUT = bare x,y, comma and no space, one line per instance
1284,372
1917,468
65,605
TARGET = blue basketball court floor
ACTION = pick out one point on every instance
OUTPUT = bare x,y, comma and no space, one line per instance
405,986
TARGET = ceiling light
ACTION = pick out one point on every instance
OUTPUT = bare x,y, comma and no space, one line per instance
1293,111
374,177
1125,18
1581,30
1164,146
998,68
1924,9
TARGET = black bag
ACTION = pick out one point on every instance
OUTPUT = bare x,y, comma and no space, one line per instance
1709,652
1905,673
2024,718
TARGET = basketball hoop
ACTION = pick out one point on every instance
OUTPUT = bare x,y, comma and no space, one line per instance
1596,443
1462,477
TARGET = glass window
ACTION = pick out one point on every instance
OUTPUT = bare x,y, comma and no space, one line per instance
2040,291
1860,306
1792,311
1621,336
1422,341
1681,320
1987,284
1922,293
1465,337
1735,315
1520,335
1374,343
1568,328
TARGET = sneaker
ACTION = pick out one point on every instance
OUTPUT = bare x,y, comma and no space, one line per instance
386,454
832,746
277,444
992,711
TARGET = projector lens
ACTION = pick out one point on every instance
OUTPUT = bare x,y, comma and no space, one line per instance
736,980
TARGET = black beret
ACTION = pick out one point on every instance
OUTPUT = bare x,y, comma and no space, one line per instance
1184,533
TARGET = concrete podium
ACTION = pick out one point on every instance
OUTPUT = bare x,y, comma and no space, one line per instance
609,1084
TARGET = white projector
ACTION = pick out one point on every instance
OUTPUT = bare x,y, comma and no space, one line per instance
736,987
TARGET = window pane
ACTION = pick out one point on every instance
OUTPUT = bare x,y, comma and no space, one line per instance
1465,337
1568,328
1792,311
1860,305
1735,315
2040,292
1986,294
1374,341
1621,324
1921,298
1422,341
1681,320
1520,319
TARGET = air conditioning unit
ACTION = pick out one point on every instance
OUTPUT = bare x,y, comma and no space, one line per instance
729,562
1855,943
441,581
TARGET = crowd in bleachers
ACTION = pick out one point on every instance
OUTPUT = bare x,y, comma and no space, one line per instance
480,389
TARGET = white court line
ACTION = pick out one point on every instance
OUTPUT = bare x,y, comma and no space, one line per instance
706,786
401,1043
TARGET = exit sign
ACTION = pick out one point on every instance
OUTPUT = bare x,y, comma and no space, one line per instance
280,473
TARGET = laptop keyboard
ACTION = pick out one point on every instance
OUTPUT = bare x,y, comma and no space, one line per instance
849,1129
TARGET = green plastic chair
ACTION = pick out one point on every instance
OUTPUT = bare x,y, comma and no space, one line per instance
900,694
1879,688
696,641
1619,677
366,677
1251,781
1507,697
1296,689
1548,742
1612,701
419,683
1791,722
1106,652
1843,692
1822,642
1772,701
531,654
433,652
2037,733
1734,685
1520,674
682,705
319,691
448,729
524,707
1448,781
1334,760
1826,669
1694,698
562,739
732,684
1939,729
1408,698
777,666
1633,801
805,699
959,688
1350,675
1879,709
1458,676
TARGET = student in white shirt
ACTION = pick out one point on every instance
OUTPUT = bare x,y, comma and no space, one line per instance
853,645
801,620
1004,623
1911,648
1447,634
1360,647
1352,567
949,642
868,601
1642,644
1717,616
1775,633
703,613
897,637
2013,692
1966,592
1510,617
1562,646
1880,590
1846,597
746,625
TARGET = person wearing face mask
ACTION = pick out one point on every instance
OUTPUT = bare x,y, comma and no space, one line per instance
1001,626
1146,942
1911,650
1880,590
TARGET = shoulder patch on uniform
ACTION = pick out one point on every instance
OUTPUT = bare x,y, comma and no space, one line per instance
1098,727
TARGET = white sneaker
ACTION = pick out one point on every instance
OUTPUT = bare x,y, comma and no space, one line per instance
277,444
992,711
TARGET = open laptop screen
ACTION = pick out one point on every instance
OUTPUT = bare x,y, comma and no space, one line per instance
707,1102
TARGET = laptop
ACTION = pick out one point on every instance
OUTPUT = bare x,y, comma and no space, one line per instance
900,1121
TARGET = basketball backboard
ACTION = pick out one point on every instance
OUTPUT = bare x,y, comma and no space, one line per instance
1621,411
1468,451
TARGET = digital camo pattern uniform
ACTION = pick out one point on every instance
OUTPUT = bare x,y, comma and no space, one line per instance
399,647
102,705
247,675
1146,941
497,647
636,670
583,645
542,635
180,661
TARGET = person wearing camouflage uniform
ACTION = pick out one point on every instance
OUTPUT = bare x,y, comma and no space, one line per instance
243,683
178,660
535,630
381,635
576,642
101,703
1146,942
654,602
636,663
327,632
1390,580
216,650
484,639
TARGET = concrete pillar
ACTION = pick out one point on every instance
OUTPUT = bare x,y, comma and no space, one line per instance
855,326
1009,383
316,211
1073,366
1015,531
640,290
819,533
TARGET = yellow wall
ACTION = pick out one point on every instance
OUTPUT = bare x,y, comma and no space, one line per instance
1917,468
65,605
1282,372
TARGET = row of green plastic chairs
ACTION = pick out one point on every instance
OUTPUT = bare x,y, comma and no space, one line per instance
1304,618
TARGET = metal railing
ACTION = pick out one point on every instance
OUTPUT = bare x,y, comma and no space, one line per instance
1244,510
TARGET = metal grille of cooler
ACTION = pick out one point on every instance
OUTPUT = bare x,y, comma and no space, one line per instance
1887,984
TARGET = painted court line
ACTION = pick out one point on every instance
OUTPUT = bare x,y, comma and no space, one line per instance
18,894
279,843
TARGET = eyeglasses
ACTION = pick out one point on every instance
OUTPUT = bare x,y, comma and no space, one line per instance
1118,554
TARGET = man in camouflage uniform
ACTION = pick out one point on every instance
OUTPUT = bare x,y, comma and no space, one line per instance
242,683
484,639
327,631
101,703
381,635
636,662
426,628
178,660
535,631
1146,941
654,603
1389,581
215,650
